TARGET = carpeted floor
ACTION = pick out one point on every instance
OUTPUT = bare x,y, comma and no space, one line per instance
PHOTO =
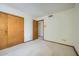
38,48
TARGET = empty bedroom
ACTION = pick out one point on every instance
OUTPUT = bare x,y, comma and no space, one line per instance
39,29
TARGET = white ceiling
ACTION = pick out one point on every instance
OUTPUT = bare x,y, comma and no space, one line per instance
41,9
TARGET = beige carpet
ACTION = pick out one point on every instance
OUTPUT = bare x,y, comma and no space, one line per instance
38,48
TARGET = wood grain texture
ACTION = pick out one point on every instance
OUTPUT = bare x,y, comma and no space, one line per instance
15,30
3,30
11,30
35,29
20,30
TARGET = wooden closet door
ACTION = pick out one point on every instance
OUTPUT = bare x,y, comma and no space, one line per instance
3,30
15,30
12,30
20,30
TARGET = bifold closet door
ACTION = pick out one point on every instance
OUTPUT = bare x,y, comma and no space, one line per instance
20,30
15,30
3,30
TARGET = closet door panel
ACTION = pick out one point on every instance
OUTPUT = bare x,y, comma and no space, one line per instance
15,30
20,30
12,30
3,30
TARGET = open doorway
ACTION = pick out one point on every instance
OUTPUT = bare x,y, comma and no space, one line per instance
41,29
38,29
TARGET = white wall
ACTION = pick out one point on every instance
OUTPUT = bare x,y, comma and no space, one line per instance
28,25
77,27
27,20
63,27
60,28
